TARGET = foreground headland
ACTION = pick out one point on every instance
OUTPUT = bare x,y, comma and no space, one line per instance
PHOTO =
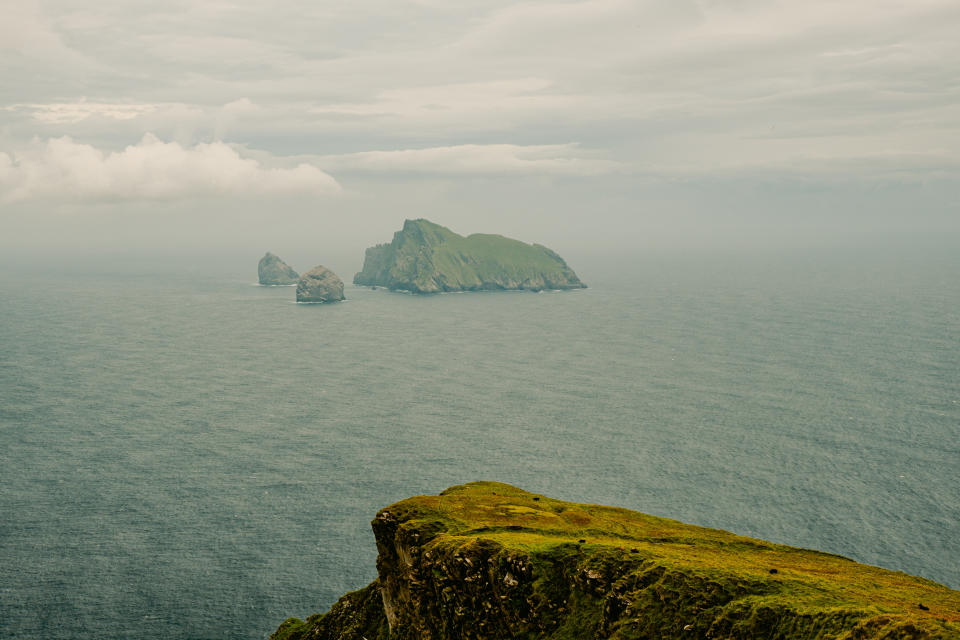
488,560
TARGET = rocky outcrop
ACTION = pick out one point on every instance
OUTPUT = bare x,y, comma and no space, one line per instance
359,614
487,560
274,271
319,285
427,258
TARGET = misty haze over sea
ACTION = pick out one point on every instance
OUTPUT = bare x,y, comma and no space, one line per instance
763,197
186,455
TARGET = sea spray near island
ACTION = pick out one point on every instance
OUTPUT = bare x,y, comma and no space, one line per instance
188,456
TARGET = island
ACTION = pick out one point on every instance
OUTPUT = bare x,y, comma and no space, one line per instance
319,285
273,271
427,258
487,560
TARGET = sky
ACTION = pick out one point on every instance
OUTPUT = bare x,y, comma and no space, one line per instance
597,125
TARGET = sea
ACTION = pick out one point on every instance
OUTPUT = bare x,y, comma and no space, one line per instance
185,454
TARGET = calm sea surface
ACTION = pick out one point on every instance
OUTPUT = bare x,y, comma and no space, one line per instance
186,455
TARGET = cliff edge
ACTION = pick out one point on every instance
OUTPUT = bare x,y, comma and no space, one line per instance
489,561
427,258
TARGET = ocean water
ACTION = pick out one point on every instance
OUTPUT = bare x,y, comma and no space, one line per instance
186,455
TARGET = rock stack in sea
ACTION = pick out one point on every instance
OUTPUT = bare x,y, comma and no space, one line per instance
320,285
274,271
427,258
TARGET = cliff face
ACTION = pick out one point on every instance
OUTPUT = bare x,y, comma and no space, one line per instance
487,560
427,258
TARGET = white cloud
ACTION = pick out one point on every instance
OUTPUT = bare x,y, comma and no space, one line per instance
652,83
872,168
460,99
62,169
487,159
74,112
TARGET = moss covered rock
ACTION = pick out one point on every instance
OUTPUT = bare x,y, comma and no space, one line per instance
427,258
487,560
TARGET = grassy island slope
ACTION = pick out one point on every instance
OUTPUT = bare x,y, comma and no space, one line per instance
487,560
427,258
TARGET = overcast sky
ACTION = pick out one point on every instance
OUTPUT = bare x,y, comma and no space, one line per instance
287,125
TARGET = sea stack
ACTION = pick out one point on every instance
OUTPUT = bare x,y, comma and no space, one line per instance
274,271
320,285
427,258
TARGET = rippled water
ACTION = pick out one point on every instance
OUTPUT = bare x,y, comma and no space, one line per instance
192,456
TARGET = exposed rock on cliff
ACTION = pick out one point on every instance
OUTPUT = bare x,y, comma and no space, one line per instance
320,285
427,258
273,270
490,561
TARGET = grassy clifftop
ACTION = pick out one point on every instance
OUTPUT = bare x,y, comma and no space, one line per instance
427,258
487,560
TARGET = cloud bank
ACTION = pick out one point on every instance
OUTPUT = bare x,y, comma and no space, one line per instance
74,112
458,108
62,169
657,82
486,159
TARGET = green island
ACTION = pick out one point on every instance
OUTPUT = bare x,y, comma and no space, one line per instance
427,258
486,560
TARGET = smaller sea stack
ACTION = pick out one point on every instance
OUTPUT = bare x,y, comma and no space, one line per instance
320,285
274,271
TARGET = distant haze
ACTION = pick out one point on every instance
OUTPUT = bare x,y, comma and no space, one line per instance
313,129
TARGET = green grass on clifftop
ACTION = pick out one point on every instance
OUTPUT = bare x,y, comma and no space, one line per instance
777,576
425,257
488,560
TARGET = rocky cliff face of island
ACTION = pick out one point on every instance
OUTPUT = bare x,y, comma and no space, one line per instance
487,560
427,258
319,285
274,271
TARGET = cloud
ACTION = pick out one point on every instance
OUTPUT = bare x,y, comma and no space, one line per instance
653,83
74,112
486,159
461,99
62,169
873,168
